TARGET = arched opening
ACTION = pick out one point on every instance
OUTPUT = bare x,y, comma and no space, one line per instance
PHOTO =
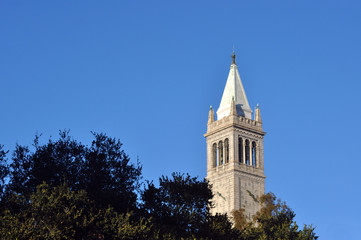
240,150
226,149
214,155
247,152
220,150
254,155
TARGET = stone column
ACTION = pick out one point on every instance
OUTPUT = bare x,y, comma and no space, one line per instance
244,150
224,152
209,156
257,154
218,156
221,154
250,154
234,151
214,156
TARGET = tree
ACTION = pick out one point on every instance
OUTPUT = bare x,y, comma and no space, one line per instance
179,207
103,169
239,218
60,213
53,163
66,190
108,175
218,227
275,220
4,170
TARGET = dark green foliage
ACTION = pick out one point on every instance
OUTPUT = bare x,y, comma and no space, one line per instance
218,227
103,170
65,190
59,213
4,170
53,163
108,176
179,207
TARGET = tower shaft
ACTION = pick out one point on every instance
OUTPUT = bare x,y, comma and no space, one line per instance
235,166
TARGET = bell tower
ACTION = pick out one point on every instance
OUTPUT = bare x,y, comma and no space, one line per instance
235,150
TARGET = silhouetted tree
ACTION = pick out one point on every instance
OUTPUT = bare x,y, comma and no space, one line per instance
4,170
66,190
108,175
103,170
218,227
179,207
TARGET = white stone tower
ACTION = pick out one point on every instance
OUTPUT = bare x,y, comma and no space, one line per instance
235,151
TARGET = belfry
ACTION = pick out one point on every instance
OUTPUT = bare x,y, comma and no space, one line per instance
235,166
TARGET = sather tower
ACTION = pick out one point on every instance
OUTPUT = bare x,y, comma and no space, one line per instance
235,150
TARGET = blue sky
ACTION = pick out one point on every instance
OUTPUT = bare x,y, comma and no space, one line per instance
146,72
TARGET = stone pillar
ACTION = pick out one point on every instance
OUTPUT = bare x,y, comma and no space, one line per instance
244,150
218,156
250,154
257,154
220,153
224,153
234,152
214,155
209,156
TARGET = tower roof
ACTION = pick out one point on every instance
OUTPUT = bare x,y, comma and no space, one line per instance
234,89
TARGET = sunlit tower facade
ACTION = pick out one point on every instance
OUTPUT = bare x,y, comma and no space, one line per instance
235,166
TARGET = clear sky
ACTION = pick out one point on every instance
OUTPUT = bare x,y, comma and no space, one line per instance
146,72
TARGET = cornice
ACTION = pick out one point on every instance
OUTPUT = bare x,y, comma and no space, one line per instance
235,125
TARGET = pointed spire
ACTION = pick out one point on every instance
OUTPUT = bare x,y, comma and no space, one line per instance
257,116
234,89
211,115
233,108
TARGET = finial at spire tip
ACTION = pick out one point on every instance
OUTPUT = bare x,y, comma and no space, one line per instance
257,105
233,57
